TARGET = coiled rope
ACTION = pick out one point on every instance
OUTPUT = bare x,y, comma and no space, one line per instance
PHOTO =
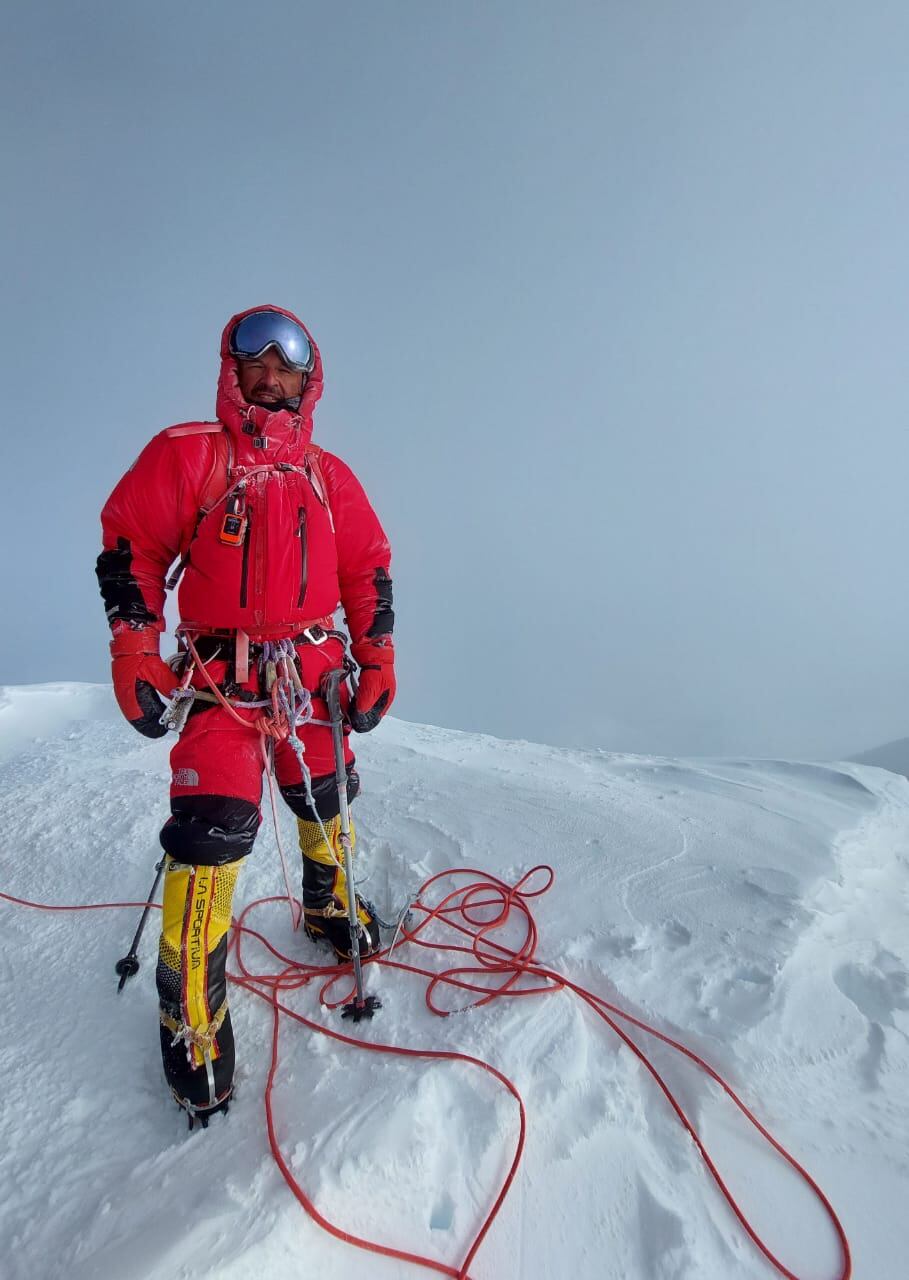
461,923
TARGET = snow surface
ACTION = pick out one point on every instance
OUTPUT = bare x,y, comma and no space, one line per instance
755,909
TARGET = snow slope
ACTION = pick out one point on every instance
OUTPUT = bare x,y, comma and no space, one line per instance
756,909
892,755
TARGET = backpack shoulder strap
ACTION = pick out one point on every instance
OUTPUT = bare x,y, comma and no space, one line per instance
219,474
213,488
193,429
312,461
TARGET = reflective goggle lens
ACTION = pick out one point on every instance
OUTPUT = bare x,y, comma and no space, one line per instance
263,329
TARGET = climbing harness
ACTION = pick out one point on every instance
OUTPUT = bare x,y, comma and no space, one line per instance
286,706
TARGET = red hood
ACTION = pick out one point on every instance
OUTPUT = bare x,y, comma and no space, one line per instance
233,410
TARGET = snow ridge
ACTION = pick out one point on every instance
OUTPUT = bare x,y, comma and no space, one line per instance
754,909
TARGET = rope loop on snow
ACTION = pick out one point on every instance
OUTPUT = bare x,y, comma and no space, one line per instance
461,923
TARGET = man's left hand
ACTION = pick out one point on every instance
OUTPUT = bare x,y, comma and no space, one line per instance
376,688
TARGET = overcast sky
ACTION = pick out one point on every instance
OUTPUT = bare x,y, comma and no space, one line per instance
612,299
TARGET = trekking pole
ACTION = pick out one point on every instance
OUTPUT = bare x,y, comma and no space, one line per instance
362,1006
129,964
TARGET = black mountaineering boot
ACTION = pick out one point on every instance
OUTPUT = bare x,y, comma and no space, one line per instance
325,893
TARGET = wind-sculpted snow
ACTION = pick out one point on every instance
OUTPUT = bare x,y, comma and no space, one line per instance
754,909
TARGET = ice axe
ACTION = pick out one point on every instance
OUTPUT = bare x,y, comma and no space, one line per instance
362,1006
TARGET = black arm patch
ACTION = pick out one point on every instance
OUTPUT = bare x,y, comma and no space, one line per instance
383,620
122,597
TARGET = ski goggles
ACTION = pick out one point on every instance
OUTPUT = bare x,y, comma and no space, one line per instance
255,333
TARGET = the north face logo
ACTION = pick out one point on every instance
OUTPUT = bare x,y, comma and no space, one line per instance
186,778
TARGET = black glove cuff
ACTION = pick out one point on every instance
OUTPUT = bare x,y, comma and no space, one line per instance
366,721
149,723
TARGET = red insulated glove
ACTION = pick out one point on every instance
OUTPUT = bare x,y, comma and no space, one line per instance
376,688
139,672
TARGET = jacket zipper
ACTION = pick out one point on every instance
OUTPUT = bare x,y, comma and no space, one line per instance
304,554
260,591
244,569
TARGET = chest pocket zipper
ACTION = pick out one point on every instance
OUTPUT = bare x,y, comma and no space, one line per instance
304,554
244,568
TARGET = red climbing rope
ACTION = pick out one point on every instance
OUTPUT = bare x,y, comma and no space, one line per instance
486,970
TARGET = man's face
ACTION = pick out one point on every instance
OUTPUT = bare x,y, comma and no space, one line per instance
266,380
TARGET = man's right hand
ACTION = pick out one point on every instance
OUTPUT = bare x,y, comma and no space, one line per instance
139,675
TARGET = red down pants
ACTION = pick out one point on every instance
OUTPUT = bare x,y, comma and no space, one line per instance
216,790
216,767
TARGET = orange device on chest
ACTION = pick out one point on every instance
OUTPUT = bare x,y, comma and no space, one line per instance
234,524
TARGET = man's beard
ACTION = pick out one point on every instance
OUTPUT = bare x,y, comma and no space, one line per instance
293,404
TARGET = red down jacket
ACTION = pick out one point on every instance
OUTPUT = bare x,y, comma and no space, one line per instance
311,539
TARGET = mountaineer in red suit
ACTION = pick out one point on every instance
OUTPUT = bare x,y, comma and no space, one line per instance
271,535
